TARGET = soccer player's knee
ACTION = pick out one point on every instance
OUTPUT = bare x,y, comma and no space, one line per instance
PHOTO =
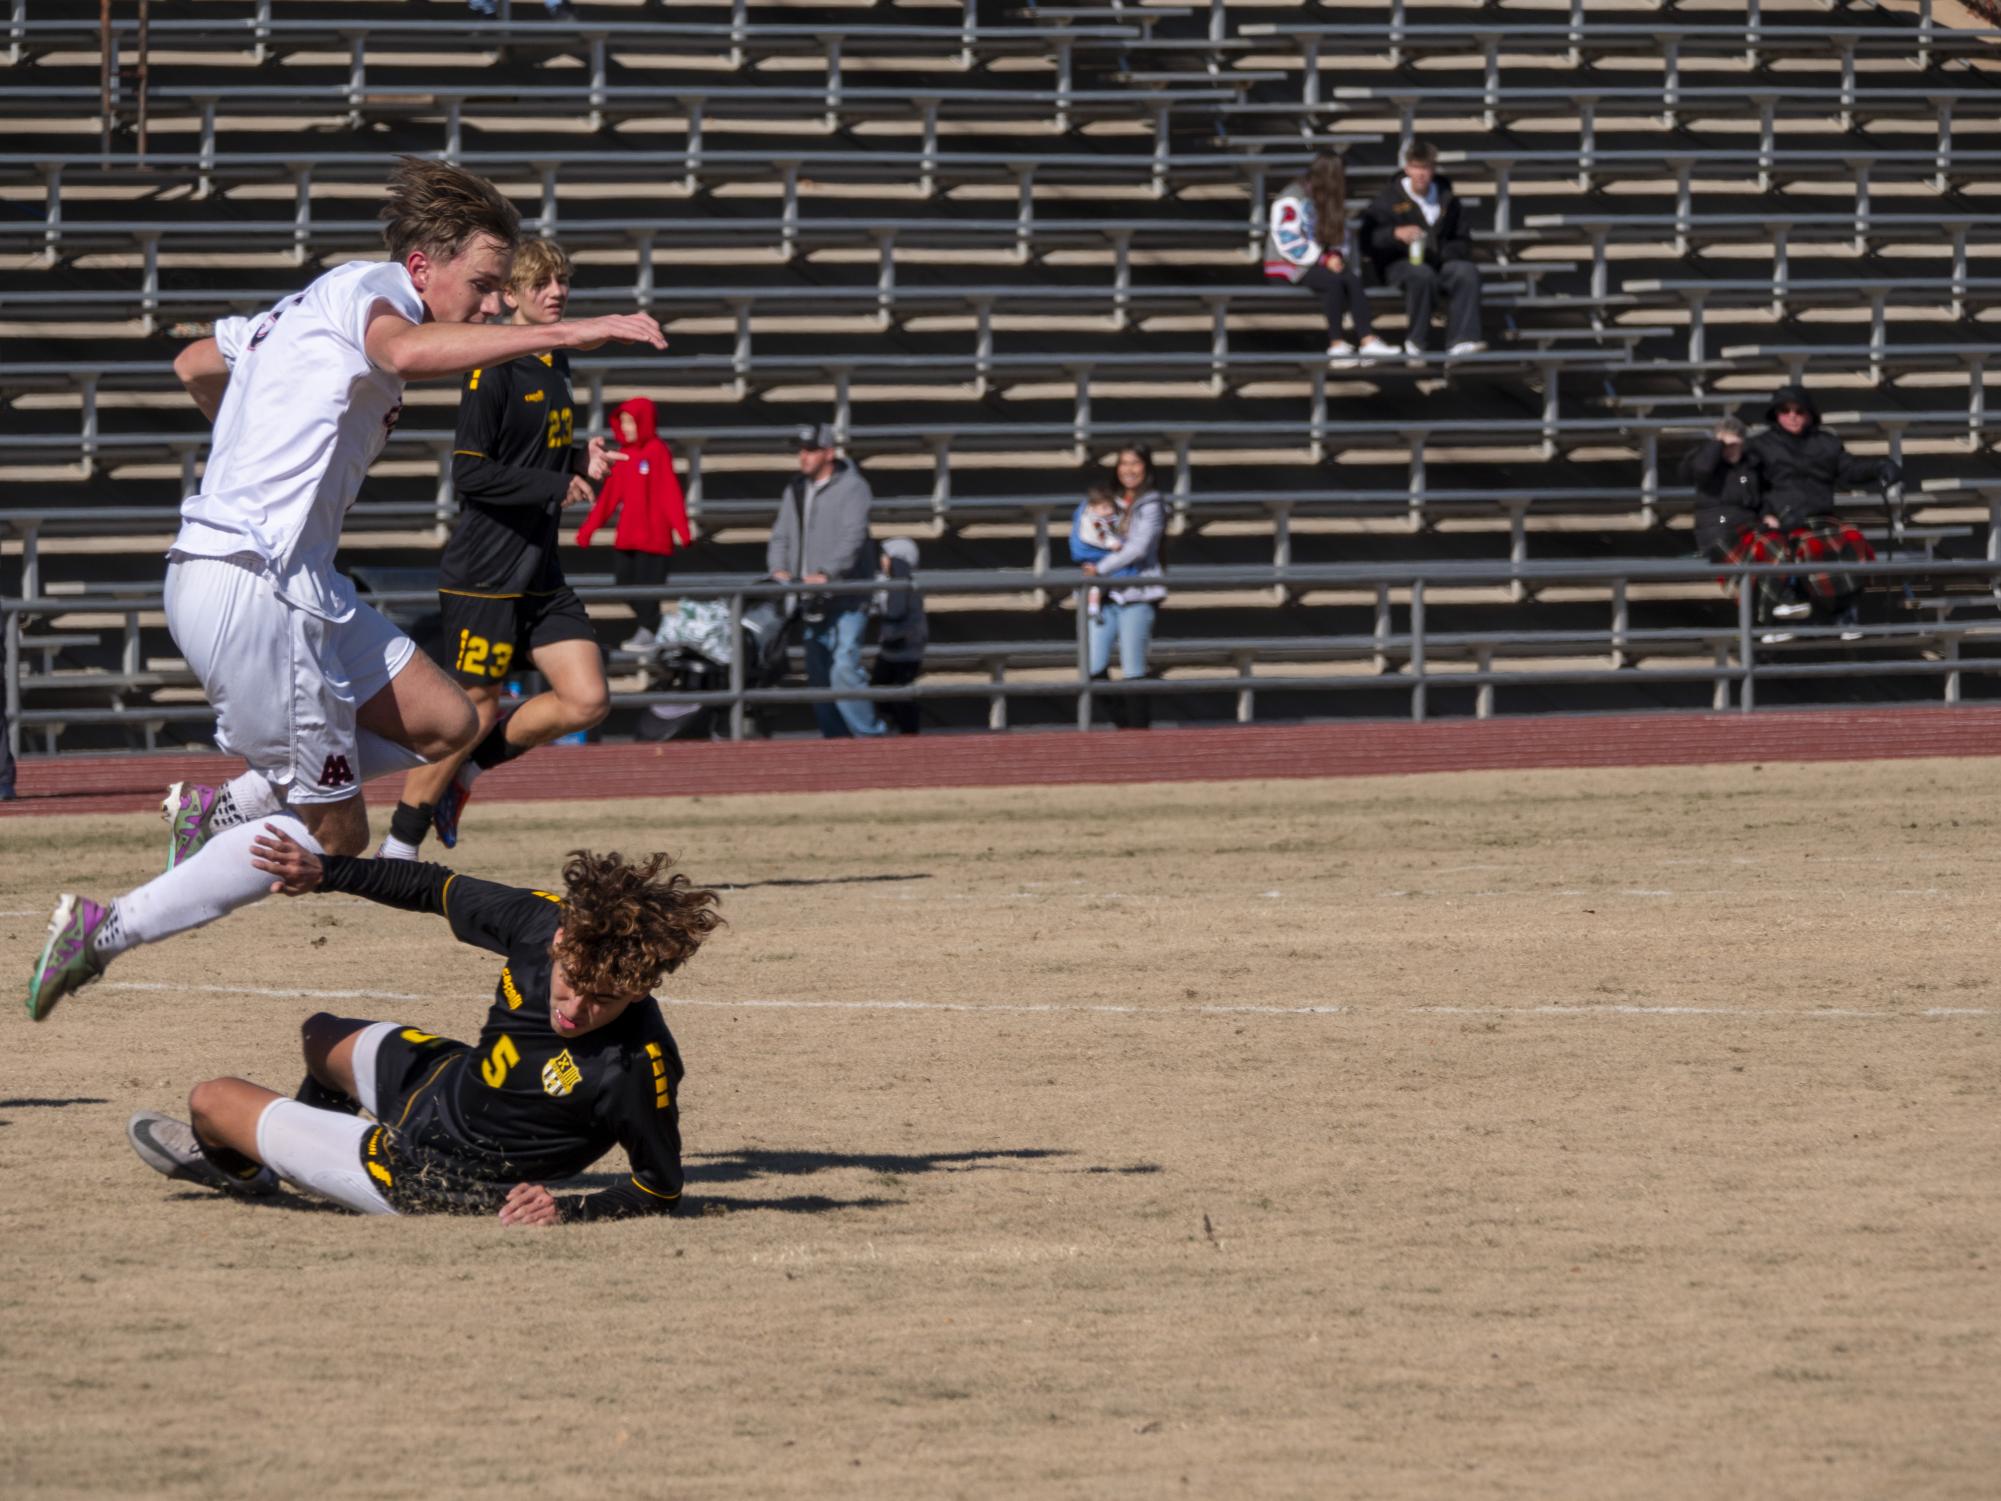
205,1101
458,729
315,1035
587,711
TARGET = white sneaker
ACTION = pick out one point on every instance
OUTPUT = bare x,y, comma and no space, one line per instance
1466,347
1413,350
169,1146
1775,638
1341,355
1374,348
1792,609
1854,634
639,640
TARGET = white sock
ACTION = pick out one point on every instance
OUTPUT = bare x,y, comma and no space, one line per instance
219,879
380,756
468,774
393,848
250,796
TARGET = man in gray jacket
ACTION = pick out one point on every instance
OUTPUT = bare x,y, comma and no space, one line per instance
822,533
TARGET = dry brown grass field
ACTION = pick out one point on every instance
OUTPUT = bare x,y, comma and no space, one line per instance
1561,1134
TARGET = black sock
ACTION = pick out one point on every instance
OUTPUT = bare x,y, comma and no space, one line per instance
410,823
495,749
229,1160
326,1097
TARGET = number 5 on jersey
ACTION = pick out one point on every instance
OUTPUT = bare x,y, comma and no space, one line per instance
503,1057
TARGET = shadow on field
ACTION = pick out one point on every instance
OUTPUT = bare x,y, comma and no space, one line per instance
749,1165
29,1102
890,1169
38,1102
288,1199
816,881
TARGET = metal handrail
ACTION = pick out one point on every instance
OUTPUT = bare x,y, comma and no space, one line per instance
1420,647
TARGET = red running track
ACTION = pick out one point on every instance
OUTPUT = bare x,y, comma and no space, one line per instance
129,783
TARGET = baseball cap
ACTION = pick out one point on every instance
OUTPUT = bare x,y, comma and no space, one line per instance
814,435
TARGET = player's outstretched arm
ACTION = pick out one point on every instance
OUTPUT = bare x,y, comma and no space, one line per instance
204,373
425,351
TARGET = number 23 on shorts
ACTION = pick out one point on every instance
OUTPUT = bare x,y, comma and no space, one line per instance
477,654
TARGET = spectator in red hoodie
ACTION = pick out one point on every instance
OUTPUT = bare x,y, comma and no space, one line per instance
645,496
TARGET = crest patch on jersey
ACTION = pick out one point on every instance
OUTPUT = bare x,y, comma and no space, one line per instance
560,1074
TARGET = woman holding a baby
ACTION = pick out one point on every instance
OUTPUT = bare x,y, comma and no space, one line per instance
1116,534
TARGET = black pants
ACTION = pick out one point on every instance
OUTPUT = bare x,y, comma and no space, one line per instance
641,570
1461,281
1340,292
888,673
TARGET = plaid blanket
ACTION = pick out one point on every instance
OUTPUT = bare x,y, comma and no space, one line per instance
1755,545
1830,540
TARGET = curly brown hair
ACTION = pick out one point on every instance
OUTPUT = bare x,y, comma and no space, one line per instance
438,208
625,923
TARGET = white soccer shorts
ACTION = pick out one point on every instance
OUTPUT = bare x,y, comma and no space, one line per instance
284,684
319,1151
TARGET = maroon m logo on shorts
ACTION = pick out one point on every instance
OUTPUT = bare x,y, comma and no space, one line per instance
336,773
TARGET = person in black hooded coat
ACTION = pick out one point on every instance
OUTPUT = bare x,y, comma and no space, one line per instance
1799,466
1730,521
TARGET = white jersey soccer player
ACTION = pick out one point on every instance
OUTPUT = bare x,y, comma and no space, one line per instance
316,690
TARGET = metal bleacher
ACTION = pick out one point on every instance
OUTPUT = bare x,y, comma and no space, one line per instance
994,241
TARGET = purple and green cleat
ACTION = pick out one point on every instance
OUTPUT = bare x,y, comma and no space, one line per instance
445,817
67,962
189,809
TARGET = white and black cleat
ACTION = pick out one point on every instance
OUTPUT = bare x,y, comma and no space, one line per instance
168,1146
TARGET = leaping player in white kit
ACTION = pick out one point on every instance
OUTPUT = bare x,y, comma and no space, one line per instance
313,688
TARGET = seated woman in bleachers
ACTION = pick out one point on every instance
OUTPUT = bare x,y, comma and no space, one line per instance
1730,524
1310,244
1800,465
1127,612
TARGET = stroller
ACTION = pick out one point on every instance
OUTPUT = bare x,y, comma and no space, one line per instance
692,653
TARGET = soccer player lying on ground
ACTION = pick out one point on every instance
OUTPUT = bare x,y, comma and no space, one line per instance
574,1056
313,688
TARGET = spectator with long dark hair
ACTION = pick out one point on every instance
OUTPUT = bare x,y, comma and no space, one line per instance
1311,244
1127,613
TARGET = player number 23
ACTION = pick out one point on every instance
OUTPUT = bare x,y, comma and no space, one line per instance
562,427
503,1057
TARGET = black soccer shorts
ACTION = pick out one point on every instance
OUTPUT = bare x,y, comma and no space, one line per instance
485,639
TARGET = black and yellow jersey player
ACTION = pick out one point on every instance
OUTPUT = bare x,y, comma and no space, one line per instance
574,1058
504,605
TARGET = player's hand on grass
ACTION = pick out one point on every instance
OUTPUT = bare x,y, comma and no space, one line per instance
580,492
620,328
598,460
529,1204
278,854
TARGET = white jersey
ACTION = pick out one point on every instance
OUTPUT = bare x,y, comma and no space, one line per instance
305,413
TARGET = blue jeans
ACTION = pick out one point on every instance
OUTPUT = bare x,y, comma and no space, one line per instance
1132,625
834,660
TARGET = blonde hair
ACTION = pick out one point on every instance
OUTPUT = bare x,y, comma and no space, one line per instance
536,262
439,209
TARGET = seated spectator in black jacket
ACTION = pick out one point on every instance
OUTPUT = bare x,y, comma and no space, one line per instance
1730,524
1416,236
1799,465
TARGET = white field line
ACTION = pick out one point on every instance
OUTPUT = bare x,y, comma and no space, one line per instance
276,994
1058,1008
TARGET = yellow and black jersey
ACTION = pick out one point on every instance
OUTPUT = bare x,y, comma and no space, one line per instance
511,466
524,1104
